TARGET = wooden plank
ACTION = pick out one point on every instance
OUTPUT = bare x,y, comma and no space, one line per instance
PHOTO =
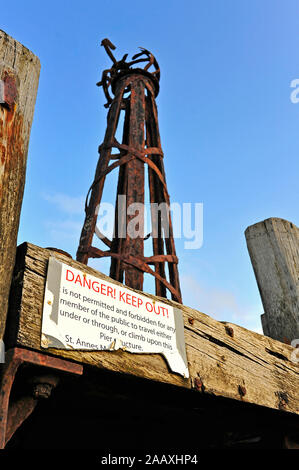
224,359
273,247
19,75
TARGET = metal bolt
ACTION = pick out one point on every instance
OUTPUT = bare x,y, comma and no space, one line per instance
191,321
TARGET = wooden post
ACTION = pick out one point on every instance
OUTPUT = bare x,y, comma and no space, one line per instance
19,76
273,247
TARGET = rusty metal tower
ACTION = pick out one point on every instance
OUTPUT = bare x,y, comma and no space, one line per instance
134,90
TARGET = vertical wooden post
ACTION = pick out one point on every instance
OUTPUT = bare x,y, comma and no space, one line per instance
273,247
19,76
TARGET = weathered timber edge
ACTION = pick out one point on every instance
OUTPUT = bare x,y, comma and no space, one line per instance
273,247
224,359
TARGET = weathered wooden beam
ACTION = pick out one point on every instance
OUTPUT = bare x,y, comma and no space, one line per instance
224,359
19,75
273,247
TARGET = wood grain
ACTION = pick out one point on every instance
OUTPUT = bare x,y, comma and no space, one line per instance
224,359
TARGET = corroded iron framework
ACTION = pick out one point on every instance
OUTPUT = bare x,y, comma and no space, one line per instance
19,397
134,90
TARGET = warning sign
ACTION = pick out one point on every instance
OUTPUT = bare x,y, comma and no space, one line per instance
87,313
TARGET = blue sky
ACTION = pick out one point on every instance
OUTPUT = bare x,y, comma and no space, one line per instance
229,131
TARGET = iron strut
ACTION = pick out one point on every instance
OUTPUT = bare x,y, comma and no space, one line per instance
14,412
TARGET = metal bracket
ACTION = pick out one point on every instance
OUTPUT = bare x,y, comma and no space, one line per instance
13,414
291,441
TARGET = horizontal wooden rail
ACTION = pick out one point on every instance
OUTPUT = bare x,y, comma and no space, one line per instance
224,359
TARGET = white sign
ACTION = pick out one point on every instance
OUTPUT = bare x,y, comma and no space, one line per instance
88,313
